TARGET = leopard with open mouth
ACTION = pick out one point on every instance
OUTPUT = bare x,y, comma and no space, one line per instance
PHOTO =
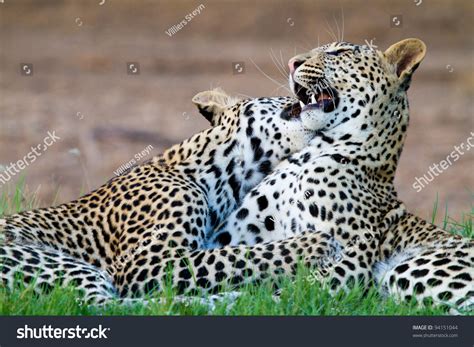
355,98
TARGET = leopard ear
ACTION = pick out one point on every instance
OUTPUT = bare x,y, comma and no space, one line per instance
212,103
405,57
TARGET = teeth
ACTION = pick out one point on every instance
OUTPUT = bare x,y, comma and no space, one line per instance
302,104
313,99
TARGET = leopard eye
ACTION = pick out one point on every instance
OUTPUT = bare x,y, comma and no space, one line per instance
339,51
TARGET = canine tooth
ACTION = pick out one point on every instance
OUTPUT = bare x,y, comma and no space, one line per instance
302,104
313,99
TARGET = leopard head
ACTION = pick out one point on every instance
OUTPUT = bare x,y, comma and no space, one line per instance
356,95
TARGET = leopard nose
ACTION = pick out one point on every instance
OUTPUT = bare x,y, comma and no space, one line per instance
293,64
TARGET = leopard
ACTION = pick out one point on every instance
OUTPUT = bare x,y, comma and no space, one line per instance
355,98
122,239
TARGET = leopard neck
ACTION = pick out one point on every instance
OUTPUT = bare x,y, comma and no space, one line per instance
224,163
373,142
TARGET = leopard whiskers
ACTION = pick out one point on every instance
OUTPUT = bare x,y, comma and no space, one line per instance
337,27
330,30
279,67
244,95
280,85
330,91
343,19
321,85
281,60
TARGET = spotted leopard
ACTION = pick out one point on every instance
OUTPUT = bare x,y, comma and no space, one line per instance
124,237
355,97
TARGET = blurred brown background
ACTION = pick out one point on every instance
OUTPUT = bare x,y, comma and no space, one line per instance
81,90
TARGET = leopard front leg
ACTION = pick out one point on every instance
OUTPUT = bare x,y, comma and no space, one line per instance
190,271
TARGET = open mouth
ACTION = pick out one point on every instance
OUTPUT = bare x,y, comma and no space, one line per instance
325,99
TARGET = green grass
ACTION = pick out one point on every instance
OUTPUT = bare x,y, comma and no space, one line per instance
298,296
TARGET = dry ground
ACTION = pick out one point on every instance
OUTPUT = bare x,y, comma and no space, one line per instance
81,90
